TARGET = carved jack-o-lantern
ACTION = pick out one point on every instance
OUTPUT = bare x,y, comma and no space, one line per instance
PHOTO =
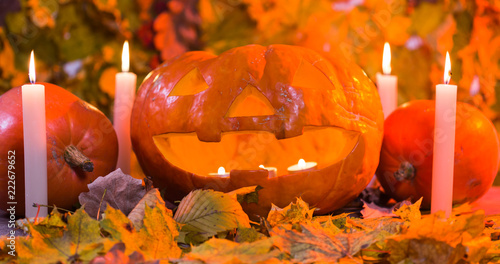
256,105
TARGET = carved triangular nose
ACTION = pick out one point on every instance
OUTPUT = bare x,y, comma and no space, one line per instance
250,102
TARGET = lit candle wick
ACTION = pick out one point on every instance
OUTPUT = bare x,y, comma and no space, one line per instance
447,69
302,164
125,57
386,59
31,71
221,170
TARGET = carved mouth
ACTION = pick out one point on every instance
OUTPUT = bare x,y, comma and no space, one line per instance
246,150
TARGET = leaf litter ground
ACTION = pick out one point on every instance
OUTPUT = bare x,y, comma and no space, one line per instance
211,227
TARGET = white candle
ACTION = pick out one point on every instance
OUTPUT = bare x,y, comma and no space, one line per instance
387,84
124,101
221,172
35,144
302,165
272,171
444,144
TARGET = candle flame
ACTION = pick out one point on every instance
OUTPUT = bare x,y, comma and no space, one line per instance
262,166
386,59
221,170
125,57
31,71
447,69
302,164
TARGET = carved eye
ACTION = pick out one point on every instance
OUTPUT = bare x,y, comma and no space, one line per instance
309,76
250,102
192,83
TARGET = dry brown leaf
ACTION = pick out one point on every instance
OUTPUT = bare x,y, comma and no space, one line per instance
122,192
371,210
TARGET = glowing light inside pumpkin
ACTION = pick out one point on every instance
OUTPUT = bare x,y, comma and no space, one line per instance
262,166
31,72
386,59
447,69
125,57
221,170
246,150
302,164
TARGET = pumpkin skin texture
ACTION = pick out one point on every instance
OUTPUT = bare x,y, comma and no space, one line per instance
70,122
256,105
409,137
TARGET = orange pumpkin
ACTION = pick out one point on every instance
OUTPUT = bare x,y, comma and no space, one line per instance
256,105
405,169
81,146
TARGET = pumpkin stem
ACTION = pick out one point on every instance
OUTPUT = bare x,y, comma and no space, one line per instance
75,158
406,171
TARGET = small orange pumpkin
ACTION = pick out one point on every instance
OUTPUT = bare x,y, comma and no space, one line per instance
81,146
405,169
256,105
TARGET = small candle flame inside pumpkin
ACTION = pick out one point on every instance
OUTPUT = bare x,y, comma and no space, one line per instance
221,170
302,164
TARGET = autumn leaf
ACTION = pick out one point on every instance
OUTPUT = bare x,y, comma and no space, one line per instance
396,32
423,250
409,212
493,227
440,240
291,215
493,253
52,225
248,194
7,62
122,192
224,251
80,241
245,234
155,239
204,213
313,244
388,224
107,81
371,210
151,199
117,255
426,18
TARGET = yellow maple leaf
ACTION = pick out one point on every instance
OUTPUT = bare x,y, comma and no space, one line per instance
291,215
410,213
156,237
